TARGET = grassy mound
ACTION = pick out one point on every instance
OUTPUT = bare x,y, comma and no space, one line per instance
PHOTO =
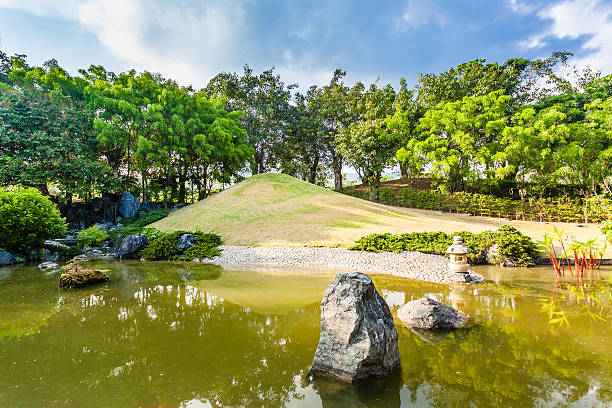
276,209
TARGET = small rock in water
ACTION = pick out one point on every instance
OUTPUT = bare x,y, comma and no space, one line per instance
47,265
426,313
358,337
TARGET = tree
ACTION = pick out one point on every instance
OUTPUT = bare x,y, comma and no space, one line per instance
264,101
42,143
460,139
552,145
519,78
367,143
331,106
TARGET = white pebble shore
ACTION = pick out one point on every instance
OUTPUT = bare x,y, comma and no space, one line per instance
407,264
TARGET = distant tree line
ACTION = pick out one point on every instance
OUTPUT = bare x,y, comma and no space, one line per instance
477,124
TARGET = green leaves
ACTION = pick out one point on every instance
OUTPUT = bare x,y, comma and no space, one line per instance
27,219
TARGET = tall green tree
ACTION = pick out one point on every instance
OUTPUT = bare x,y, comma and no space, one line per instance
264,102
368,144
460,139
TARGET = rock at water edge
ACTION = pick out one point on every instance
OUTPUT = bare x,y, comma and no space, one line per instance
429,314
132,244
358,338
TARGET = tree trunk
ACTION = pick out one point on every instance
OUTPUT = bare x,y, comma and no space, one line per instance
337,166
202,190
182,187
313,170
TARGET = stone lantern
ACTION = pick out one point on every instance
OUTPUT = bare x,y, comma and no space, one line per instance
458,256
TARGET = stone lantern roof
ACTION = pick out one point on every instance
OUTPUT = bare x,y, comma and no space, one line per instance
458,248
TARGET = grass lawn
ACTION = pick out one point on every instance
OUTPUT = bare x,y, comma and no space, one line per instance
279,210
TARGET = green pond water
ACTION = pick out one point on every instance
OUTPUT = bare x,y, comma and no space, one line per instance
189,335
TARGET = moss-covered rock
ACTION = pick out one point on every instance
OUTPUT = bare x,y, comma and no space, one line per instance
75,276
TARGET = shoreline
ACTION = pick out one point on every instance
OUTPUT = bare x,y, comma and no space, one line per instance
406,264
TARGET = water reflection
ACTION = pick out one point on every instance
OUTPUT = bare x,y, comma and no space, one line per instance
175,337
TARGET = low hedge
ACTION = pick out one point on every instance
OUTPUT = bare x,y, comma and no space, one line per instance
560,209
164,246
511,244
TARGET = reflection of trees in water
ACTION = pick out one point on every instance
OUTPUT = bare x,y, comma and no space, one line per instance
163,345
508,359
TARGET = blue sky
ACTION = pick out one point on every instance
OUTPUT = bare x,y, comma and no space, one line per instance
191,41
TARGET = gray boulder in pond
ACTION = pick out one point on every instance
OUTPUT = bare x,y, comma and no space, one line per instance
426,313
128,205
132,244
358,338
186,241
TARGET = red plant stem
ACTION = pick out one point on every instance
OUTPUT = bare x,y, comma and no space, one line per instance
566,258
556,263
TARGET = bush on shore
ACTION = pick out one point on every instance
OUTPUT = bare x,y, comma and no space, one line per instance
511,244
92,236
27,219
164,246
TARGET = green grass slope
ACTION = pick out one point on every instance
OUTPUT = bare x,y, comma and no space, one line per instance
276,209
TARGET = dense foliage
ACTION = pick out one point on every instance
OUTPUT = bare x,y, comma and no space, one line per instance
165,246
102,131
474,126
92,236
511,244
27,219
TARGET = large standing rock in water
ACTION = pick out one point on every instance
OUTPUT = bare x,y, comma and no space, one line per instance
128,205
132,244
426,313
358,337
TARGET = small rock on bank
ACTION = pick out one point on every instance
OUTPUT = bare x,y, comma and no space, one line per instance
358,338
132,244
429,314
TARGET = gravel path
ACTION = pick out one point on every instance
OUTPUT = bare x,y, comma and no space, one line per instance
414,265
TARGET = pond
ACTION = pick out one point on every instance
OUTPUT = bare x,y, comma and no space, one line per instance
188,335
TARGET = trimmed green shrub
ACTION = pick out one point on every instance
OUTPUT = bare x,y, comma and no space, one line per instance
206,246
27,219
511,244
163,246
561,209
92,236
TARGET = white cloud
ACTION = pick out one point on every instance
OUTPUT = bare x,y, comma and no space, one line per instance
420,12
572,19
190,43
